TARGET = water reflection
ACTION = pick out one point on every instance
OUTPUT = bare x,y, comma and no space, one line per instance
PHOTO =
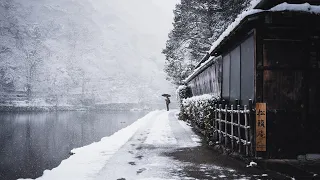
33,142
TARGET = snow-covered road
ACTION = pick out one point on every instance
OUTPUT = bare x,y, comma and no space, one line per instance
143,156
155,147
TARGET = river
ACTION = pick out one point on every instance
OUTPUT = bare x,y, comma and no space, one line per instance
33,142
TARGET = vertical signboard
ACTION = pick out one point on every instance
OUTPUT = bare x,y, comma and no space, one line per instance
261,127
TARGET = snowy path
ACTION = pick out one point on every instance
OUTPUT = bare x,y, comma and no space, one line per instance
142,157
155,147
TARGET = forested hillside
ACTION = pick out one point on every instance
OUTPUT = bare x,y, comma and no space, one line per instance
197,24
64,48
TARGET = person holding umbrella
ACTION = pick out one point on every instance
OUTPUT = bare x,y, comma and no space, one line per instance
167,100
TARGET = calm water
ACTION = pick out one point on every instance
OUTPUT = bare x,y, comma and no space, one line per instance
33,142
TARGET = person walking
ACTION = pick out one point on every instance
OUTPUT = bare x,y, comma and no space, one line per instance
167,102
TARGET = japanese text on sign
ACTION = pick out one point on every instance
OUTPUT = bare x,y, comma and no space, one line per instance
261,127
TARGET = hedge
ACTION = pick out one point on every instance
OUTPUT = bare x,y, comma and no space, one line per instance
198,111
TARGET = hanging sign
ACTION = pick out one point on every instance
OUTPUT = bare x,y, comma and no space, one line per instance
261,127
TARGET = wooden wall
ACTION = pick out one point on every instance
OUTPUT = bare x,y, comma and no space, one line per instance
288,67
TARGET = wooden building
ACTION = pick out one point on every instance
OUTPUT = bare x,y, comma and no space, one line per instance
271,56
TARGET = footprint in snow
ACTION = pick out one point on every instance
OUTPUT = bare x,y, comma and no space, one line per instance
139,157
131,152
141,170
132,163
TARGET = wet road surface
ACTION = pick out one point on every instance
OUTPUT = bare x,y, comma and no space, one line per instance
166,148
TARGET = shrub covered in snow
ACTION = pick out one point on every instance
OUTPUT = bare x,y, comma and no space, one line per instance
198,110
182,92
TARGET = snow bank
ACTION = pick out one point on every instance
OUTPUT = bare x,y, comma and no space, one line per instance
89,160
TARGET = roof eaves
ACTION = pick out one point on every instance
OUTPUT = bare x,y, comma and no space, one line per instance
231,30
203,66
204,59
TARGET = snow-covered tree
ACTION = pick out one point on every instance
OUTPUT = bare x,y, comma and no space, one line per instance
66,48
8,32
197,24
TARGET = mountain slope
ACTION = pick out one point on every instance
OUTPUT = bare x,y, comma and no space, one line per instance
109,50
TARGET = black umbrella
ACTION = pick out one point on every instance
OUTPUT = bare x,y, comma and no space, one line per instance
166,95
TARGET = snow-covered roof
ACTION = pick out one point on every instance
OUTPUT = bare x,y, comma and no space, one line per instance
267,4
204,58
306,7
232,26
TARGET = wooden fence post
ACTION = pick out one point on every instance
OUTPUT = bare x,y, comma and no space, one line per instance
220,108
232,135
225,126
239,130
251,130
215,123
246,130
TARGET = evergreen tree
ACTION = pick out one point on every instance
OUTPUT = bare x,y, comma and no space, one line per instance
197,24
6,82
